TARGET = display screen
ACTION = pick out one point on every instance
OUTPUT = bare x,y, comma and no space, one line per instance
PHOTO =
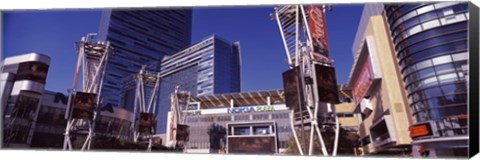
146,122
327,84
182,132
420,130
256,145
293,90
33,71
84,105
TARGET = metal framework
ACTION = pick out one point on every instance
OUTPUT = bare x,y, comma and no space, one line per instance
180,100
145,102
92,58
301,52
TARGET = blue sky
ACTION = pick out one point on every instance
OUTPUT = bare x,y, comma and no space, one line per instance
54,32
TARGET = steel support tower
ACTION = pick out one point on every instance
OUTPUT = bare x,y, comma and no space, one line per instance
92,59
145,105
305,41
179,102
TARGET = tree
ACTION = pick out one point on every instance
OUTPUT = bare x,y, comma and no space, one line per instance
217,135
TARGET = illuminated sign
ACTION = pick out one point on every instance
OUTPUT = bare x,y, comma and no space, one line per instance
250,109
363,81
420,130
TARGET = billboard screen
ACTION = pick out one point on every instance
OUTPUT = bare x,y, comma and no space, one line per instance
420,130
146,123
293,90
327,84
84,105
364,80
33,71
182,132
256,145
316,20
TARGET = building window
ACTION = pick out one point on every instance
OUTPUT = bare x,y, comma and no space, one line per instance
241,130
261,130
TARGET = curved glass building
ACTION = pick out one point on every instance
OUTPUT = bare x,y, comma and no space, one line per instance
431,45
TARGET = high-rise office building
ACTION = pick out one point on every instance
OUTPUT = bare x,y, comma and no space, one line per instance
211,66
431,45
140,37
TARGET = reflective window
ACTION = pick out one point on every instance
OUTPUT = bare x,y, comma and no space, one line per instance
427,16
442,60
408,7
431,24
409,23
261,130
425,9
414,30
424,64
429,81
447,78
433,92
452,19
445,68
426,73
433,32
241,131
460,56
445,12
454,88
445,4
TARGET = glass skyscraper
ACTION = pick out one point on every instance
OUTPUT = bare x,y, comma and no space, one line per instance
140,37
431,45
211,66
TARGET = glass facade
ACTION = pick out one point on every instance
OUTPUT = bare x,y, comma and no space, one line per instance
431,45
140,37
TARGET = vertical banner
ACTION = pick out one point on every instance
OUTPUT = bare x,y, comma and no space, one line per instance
316,20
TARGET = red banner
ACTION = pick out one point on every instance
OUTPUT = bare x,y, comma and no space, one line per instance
316,19
364,81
